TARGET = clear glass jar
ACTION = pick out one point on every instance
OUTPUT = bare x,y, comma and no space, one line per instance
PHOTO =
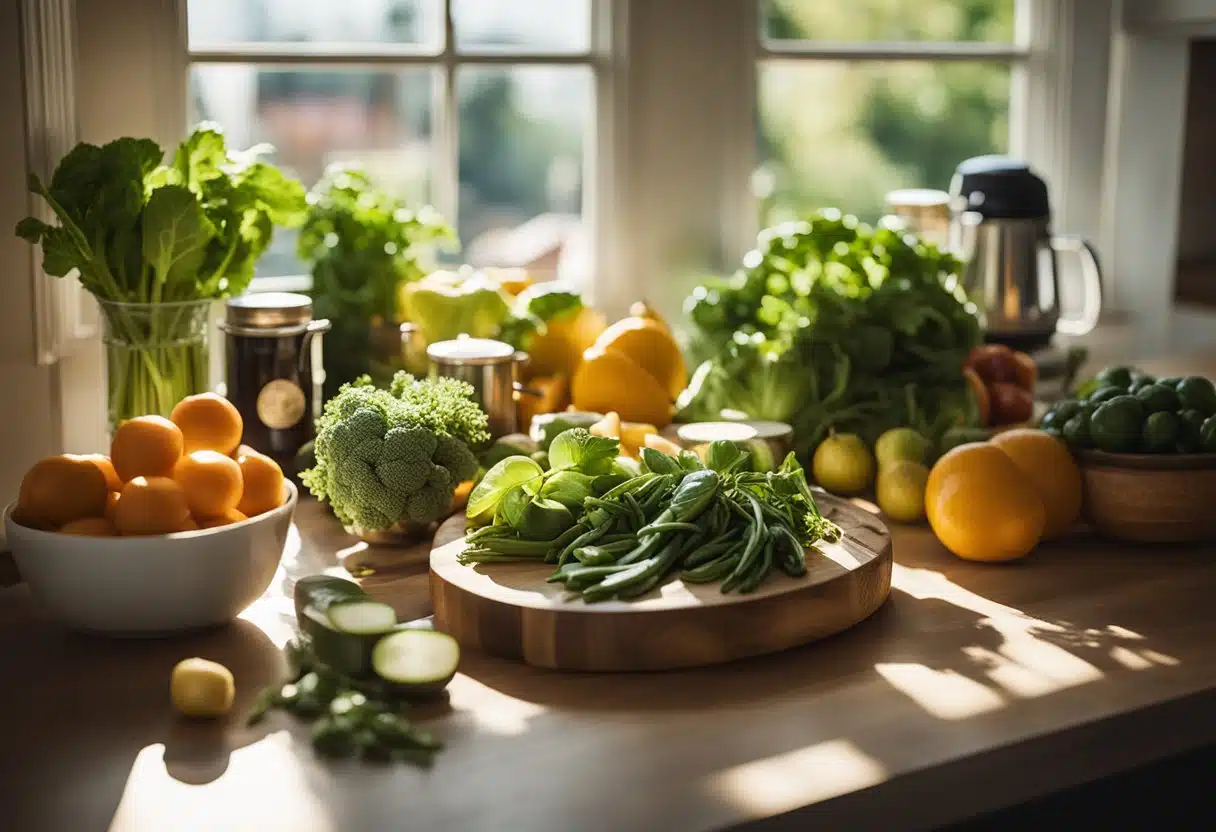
156,355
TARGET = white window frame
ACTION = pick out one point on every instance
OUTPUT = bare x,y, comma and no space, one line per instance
673,148
446,60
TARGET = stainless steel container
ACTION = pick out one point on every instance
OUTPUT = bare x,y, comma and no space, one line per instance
1001,232
490,367
924,212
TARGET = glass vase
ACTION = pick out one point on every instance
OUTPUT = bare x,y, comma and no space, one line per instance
156,355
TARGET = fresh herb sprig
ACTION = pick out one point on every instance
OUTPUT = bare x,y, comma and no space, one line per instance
350,717
364,244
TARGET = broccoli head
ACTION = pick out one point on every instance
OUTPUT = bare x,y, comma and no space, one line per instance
383,458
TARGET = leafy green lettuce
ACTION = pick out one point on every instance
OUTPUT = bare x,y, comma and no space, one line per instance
140,231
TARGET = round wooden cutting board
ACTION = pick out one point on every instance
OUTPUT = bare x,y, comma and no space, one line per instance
508,610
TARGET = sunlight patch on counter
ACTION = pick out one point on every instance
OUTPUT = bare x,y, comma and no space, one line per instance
946,694
796,778
263,787
492,711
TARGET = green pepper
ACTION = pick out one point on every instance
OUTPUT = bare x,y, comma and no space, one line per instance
445,305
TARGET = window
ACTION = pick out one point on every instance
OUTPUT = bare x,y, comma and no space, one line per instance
484,109
860,98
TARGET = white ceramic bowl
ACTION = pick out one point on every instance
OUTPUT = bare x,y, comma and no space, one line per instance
152,585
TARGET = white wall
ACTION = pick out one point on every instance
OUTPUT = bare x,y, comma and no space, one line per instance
30,426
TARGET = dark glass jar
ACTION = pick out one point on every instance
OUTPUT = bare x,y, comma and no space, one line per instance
274,375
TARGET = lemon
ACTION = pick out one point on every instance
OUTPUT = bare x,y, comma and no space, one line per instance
901,490
843,464
900,444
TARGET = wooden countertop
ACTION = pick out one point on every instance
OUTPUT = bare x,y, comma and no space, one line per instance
976,687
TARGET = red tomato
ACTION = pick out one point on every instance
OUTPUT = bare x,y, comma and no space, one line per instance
1027,371
993,363
1011,404
980,392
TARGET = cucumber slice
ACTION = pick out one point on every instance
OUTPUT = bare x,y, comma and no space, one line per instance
416,661
361,617
342,622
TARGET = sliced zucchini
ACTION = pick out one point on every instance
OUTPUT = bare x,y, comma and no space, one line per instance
362,617
341,622
416,661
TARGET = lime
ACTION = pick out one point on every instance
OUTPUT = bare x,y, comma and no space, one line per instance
901,490
504,476
1190,422
843,464
1060,413
1115,377
1197,393
1076,431
1161,432
1139,384
1170,381
1117,423
1157,398
900,444
1207,435
1105,394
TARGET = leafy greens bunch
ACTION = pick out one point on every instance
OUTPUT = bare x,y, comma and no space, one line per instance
711,520
393,456
153,242
831,324
139,231
364,245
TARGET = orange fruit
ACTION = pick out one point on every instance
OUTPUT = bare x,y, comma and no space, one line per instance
1046,462
146,446
651,347
111,505
208,422
263,482
211,480
610,380
981,506
90,527
107,470
152,505
60,489
228,517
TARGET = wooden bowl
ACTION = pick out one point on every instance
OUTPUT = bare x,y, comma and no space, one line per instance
1150,498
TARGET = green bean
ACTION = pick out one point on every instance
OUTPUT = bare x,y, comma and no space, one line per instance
637,580
760,572
488,531
706,553
643,550
580,579
512,546
635,510
715,569
557,545
752,552
585,539
597,555
611,506
620,537
794,562
661,528
486,556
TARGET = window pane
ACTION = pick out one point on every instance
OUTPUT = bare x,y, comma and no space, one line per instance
522,25
334,22
315,117
889,20
522,132
843,134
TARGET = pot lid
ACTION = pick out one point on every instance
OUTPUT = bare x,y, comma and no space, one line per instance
269,310
998,187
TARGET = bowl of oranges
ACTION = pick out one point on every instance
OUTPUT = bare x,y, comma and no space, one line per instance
180,527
